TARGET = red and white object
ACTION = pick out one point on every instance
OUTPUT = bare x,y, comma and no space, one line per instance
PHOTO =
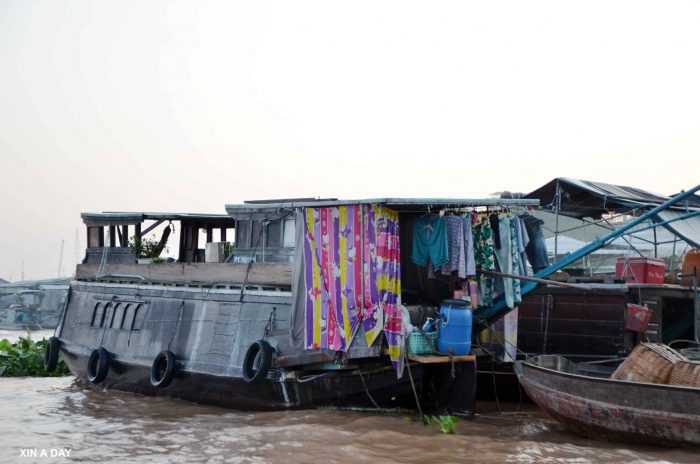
640,270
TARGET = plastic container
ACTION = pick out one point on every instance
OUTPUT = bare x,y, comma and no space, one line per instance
640,270
638,317
691,261
419,343
455,327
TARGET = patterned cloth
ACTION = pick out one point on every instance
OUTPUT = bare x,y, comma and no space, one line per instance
333,273
352,276
469,244
484,259
382,274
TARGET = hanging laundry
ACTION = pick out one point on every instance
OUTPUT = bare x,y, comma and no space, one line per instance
536,249
430,241
457,256
521,242
493,222
469,244
333,272
504,255
352,276
484,259
517,265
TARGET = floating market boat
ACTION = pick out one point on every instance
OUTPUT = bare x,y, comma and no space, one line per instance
302,311
582,398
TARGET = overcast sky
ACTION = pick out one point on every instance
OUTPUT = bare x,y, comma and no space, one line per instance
187,106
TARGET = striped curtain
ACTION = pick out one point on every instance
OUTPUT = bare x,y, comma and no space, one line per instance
352,276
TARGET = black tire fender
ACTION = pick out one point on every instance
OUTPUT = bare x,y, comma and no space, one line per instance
51,354
262,352
98,365
163,369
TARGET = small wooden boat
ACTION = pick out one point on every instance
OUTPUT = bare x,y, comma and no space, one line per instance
597,407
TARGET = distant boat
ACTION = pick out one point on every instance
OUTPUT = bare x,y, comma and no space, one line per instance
581,399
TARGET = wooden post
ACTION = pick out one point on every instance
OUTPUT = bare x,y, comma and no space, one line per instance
137,230
210,234
112,238
223,234
101,236
125,236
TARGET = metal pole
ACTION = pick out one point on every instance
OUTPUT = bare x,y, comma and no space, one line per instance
539,281
557,205
60,258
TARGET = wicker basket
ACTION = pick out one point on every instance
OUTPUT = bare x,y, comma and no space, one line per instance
649,363
422,343
686,373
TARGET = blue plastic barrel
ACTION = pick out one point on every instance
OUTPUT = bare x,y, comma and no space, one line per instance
455,327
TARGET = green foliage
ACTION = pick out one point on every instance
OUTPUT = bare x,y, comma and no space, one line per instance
158,260
26,358
447,424
145,247
228,249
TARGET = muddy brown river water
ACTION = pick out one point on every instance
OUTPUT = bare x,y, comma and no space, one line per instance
60,416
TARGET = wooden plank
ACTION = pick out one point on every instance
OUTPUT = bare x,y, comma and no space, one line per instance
440,359
198,273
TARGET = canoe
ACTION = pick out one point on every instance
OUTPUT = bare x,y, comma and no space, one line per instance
602,408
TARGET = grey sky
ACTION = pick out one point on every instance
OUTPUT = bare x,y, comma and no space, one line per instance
186,106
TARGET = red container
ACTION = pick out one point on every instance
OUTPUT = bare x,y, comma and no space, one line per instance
637,317
640,270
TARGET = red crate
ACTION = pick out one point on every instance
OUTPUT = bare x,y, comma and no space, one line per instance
640,270
637,317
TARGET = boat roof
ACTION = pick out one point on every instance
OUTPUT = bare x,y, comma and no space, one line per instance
117,218
584,198
400,204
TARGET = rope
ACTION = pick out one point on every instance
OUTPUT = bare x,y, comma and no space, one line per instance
413,385
369,395
263,224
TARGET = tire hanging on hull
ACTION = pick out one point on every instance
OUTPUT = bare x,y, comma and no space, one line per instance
253,372
51,354
163,368
98,365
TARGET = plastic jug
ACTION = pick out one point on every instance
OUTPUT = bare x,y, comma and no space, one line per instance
455,327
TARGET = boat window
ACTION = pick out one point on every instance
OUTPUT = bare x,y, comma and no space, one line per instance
139,316
128,316
97,313
273,234
242,234
105,315
256,234
117,316
288,233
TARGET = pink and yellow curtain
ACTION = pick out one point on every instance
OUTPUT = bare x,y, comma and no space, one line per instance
352,276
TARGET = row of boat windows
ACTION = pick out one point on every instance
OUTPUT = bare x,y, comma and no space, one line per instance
125,316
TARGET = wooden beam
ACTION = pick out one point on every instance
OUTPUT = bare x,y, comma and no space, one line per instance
151,227
440,359
124,236
273,274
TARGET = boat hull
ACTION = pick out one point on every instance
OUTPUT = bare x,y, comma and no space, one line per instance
209,332
650,414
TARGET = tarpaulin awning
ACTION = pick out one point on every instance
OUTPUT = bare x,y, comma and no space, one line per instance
582,198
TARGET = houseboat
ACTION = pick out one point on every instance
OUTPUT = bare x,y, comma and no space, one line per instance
304,307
